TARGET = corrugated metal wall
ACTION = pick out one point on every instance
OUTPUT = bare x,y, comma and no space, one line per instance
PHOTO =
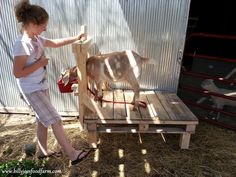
153,28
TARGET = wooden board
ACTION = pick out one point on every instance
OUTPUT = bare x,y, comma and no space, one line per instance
165,113
130,113
181,108
156,106
146,113
107,105
119,108
174,107
162,108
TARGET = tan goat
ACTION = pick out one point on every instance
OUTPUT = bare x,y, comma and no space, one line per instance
112,67
219,102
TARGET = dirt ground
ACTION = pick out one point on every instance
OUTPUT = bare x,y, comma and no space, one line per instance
212,151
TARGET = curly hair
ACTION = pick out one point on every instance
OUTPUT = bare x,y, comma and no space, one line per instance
27,13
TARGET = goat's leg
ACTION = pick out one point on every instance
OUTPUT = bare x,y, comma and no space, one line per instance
218,116
98,92
217,105
107,86
135,85
136,98
220,106
92,85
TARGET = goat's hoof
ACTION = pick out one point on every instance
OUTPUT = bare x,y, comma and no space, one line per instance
98,98
95,98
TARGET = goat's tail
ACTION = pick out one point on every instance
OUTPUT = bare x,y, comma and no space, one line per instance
148,60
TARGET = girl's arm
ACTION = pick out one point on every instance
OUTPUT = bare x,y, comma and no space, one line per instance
20,70
61,42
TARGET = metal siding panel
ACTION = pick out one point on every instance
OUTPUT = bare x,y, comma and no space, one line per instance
61,58
8,31
153,28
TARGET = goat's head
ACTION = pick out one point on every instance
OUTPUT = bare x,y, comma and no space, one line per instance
69,75
207,83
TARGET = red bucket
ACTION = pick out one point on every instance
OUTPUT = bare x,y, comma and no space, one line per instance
65,88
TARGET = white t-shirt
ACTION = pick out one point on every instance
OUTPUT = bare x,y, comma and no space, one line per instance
34,50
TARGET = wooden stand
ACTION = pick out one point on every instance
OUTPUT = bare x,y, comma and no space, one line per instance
166,113
80,50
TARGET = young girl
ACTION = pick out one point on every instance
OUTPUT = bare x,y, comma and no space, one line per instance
29,67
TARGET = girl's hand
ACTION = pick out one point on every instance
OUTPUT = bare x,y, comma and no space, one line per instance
82,37
43,61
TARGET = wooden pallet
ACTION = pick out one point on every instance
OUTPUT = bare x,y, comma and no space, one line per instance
165,113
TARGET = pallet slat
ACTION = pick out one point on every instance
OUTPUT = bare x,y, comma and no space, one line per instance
146,113
156,106
109,107
181,107
170,122
130,114
166,105
119,108
135,129
176,109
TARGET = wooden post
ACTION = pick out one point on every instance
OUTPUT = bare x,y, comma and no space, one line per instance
80,50
184,140
185,137
92,135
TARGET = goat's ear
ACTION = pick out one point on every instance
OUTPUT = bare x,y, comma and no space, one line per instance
65,77
63,73
74,68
